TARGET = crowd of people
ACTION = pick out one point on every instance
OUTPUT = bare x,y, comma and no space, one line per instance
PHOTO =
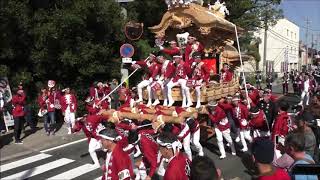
142,148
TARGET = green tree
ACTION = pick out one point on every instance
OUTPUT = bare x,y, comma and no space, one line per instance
73,42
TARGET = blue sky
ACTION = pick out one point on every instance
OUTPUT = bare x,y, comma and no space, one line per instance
298,11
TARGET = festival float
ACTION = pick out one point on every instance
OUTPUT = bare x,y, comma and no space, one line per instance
217,36
209,26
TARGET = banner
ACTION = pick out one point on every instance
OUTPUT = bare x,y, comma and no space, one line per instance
211,64
6,97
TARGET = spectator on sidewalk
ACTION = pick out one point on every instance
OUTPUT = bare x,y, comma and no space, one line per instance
2,105
263,154
285,83
269,81
295,147
114,95
18,103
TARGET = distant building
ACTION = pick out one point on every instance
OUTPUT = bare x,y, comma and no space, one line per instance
282,48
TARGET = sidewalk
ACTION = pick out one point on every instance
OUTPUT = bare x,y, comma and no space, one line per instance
33,143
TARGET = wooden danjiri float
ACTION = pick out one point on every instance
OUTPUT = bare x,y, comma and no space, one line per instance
210,27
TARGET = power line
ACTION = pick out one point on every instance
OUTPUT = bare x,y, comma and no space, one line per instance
282,37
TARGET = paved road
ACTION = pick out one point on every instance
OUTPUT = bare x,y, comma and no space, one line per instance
74,162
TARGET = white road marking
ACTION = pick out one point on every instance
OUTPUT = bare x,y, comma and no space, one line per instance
24,161
63,145
99,178
73,173
40,169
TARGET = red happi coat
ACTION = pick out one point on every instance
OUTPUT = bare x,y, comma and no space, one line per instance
240,115
178,168
259,122
118,166
18,103
92,110
254,96
89,128
201,73
42,102
226,76
281,125
188,51
171,51
181,131
227,107
181,72
149,149
68,100
219,118
153,69
167,69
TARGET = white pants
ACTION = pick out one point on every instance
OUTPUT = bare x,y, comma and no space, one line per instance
186,146
69,118
226,135
162,89
245,135
184,89
143,84
198,94
142,174
259,133
161,168
303,95
94,145
195,138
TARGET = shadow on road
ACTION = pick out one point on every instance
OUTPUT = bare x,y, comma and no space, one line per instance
6,139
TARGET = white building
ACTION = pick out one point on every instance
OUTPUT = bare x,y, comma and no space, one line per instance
282,48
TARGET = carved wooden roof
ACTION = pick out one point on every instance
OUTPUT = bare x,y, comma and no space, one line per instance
204,21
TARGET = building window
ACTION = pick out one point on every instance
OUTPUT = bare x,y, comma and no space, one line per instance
295,35
291,35
288,32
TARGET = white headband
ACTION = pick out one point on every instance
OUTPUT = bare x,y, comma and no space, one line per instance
176,145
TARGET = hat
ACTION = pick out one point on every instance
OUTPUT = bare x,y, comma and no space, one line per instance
99,84
89,99
109,134
263,150
196,55
225,64
65,89
266,91
177,56
235,98
51,83
169,141
212,103
172,42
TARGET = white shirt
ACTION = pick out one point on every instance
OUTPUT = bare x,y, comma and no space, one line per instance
306,85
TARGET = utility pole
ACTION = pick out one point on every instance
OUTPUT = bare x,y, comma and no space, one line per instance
265,43
307,33
312,45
